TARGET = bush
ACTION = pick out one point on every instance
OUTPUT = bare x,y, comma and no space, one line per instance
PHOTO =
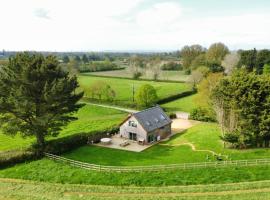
10,158
172,116
202,114
136,75
187,72
65,144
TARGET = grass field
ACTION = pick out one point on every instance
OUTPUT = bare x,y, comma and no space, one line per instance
165,75
50,171
186,104
90,118
204,136
21,189
123,87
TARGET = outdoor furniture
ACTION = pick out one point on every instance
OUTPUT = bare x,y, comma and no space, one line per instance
124,144
106,141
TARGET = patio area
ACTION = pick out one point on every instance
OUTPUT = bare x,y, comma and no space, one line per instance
118,142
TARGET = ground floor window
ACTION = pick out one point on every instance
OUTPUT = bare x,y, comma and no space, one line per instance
152,138
133,136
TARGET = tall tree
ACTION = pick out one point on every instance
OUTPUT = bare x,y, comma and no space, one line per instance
189,53
248,59
36,97
85,59
77,59
230,62
216,53
66,59
146,96
263,57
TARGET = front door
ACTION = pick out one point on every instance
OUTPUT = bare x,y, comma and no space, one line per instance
132,136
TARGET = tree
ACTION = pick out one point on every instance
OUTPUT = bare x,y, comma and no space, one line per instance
230,62
102,90
216,53
136,65
77,59
248,59
146,96
154,67
66,59
199,61
242,103
262,58
266,69
36,97
85,59
189,53
195,78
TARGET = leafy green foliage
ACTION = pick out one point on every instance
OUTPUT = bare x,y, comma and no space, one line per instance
244,101
102,90
36,97
266,69
202,114
146,96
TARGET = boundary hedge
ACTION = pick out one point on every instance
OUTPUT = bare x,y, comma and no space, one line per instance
55,146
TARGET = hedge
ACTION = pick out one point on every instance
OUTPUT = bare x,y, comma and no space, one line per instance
140,79
55,146
175,97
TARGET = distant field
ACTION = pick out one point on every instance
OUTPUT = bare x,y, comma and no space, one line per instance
123,87
21,189
165,75
186,104
90,118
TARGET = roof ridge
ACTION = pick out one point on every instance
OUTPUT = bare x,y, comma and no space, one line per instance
157,106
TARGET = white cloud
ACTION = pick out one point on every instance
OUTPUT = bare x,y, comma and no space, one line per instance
121,25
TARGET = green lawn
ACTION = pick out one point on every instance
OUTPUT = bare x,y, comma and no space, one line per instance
55,172
186,104
165,75
204,136
90,118
123,87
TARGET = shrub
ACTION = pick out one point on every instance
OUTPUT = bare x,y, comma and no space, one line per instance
175,97
136,75
202,114
10,158
187,72
172,116
65,144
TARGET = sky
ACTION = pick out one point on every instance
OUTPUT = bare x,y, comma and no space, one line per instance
132,25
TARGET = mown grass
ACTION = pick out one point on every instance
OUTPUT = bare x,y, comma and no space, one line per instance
204,136
90,118
126,73
186,104
50,171
123,87
20,189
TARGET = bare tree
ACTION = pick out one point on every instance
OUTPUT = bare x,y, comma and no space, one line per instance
195,78
230,61
136,66
154,65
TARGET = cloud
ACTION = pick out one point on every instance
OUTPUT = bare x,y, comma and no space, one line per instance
124,25
42,13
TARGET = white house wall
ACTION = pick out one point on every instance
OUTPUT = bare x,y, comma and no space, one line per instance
139,130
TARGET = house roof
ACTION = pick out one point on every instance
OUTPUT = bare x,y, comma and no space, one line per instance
152,118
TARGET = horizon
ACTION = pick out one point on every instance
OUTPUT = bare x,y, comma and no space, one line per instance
132,25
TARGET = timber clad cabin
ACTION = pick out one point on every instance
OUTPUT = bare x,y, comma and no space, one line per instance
147,126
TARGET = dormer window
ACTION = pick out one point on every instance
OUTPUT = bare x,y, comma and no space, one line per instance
132,123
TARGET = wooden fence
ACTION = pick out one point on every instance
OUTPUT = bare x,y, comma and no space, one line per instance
217,164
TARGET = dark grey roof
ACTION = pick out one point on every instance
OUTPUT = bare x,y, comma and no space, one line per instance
152,118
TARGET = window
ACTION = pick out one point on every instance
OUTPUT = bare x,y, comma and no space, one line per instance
132,123
162,117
